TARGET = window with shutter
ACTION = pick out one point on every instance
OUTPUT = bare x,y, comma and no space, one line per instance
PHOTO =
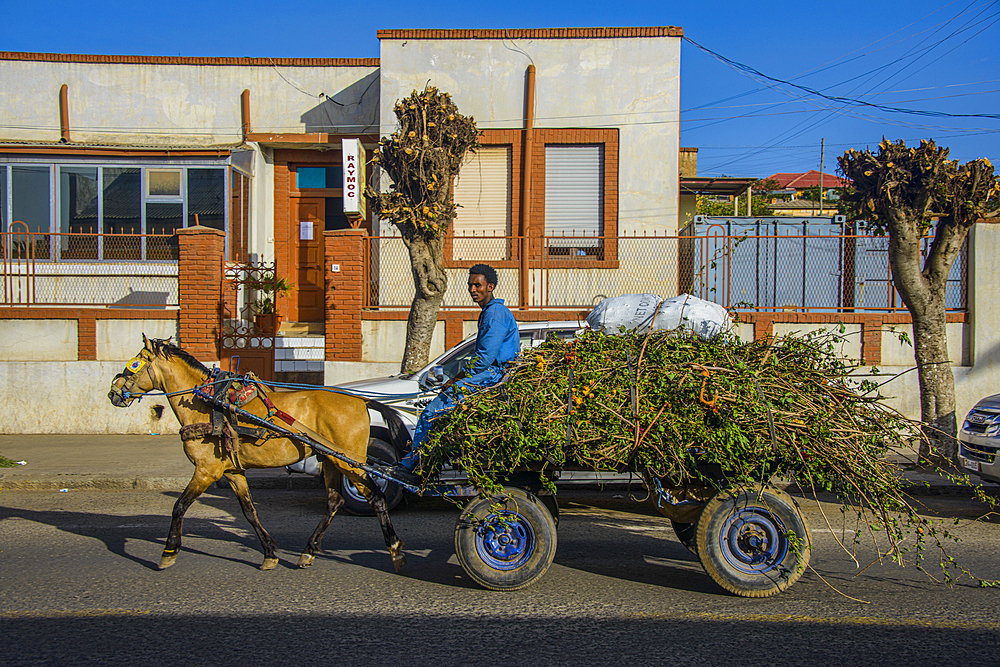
483,194
574,198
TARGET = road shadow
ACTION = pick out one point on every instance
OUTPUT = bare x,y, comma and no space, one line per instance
412,636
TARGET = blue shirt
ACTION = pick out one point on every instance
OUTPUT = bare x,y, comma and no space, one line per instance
497,343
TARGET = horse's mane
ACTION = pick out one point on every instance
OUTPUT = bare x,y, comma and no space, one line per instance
164,348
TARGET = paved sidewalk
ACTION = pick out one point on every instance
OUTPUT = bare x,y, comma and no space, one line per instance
157,462
111,463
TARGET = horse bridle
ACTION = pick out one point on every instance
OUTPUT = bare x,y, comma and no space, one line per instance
131,373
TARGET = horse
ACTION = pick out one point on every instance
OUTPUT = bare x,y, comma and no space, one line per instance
340,419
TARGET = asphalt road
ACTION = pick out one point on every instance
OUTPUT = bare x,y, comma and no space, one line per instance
78,583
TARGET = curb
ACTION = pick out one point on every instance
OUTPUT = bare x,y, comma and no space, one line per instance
143,483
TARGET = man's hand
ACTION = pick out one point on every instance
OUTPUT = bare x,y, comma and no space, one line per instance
453,380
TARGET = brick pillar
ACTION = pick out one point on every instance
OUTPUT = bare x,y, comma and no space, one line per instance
871,340
86,337
763,327
199,281
344,293
454,330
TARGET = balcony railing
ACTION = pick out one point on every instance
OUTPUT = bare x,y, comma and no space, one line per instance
64,269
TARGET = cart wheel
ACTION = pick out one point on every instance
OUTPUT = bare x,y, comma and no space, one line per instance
354,502
506,542
753,541
687,533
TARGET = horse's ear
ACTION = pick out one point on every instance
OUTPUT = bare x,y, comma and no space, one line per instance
146,344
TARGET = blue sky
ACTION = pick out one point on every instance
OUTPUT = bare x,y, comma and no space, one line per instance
938,59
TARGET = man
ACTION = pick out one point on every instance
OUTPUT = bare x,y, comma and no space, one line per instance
497,343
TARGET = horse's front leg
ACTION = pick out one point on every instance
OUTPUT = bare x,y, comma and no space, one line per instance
376,499
239,483
334,501
201,480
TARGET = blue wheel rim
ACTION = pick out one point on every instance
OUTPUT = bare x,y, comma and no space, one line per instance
505,541
753,540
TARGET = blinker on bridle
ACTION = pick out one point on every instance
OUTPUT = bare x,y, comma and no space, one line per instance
132,368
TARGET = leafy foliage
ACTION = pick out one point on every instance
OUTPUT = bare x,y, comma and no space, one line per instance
422,158
703,419
919,184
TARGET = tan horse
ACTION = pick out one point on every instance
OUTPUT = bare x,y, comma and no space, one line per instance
340,419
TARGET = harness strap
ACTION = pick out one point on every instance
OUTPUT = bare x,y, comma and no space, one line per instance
273,411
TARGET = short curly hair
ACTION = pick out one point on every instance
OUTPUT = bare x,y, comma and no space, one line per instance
486,271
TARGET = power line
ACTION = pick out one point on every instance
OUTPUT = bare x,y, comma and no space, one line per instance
837,98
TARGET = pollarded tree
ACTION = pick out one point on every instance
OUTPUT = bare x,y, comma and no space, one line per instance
422,158
908,193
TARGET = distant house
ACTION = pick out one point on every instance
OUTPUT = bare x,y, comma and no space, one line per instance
794,185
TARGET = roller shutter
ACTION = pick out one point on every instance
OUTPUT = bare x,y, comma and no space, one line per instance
574,193
483,192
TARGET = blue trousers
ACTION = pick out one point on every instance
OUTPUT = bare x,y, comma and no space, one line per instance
443,403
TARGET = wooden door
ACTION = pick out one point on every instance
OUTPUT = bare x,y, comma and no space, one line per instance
306,302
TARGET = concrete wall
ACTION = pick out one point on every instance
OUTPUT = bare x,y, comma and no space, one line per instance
72,397
579,83
45,389
192,105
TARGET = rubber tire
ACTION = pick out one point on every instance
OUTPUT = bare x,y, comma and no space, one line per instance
687,533
354,502
477,524
736,513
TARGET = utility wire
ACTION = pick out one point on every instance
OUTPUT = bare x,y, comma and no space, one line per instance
837,98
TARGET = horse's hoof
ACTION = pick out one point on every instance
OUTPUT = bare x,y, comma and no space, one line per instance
166,560
305,560
269,564
399,560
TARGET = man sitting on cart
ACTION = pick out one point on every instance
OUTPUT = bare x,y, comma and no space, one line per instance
497,343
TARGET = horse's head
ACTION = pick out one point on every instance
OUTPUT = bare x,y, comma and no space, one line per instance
137,377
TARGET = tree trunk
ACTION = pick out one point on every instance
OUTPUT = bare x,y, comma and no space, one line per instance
431,282
937,384
923,292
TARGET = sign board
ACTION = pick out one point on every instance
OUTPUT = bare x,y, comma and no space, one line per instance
306,230
354,178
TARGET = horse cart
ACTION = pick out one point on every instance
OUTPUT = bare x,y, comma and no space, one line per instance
751,539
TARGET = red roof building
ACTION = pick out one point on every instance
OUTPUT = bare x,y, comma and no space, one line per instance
807,180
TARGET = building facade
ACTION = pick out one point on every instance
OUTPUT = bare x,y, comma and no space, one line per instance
132,187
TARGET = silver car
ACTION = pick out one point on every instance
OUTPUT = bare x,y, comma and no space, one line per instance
979,439
408,393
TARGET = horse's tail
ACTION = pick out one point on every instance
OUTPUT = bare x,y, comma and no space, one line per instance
398,434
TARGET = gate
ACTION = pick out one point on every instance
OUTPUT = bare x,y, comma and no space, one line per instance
249,320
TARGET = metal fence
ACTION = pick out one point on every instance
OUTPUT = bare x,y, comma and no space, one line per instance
762,272
88,269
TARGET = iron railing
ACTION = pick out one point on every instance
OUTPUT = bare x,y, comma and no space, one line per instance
72,269
768,272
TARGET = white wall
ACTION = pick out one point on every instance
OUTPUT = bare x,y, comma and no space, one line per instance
579,83
191,105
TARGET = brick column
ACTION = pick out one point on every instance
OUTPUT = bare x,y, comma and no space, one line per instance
86,336
871,340
454,330
763,327
344,293
199,281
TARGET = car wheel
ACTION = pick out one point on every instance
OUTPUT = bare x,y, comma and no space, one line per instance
354,502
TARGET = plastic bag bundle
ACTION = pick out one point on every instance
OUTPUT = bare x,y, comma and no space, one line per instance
632,311
649,311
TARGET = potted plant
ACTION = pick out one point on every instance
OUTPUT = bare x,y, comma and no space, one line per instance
267,288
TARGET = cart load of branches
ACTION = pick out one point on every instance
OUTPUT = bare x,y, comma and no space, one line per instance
693,415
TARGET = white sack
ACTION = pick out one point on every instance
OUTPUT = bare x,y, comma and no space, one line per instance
632,311
704,318
649,311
